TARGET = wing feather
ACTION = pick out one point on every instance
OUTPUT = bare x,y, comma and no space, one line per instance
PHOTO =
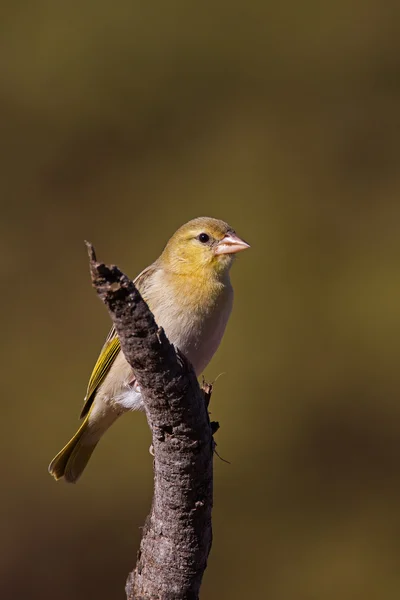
109,351
101,368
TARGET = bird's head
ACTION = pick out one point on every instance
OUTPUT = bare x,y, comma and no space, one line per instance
203,246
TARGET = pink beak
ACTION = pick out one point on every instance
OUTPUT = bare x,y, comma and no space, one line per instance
231,244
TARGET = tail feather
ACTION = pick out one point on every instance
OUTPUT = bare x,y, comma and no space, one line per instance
73,458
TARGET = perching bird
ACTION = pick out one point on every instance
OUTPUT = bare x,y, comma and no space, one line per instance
190,294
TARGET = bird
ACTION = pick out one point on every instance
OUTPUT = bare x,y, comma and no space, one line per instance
189,292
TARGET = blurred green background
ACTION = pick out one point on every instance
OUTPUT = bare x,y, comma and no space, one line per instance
121,121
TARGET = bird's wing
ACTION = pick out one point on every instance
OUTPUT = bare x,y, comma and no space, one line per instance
109,352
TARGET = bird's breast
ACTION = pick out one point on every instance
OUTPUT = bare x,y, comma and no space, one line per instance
194,324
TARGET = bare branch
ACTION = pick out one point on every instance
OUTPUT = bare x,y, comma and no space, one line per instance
177,535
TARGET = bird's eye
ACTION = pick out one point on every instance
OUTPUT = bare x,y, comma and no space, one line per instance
204,238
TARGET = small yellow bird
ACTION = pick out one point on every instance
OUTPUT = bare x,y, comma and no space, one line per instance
189,292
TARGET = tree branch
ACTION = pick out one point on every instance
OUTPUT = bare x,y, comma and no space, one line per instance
177,534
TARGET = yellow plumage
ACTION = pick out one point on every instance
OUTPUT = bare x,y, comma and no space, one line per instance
73,455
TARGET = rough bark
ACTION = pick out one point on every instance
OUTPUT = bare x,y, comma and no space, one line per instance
177,534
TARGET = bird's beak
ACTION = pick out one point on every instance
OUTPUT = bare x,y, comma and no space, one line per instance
231,244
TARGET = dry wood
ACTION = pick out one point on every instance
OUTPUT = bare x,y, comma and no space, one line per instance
177,534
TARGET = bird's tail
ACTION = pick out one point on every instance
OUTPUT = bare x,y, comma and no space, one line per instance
73,458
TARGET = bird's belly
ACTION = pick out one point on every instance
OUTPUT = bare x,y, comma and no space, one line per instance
202,345
199,348
197,337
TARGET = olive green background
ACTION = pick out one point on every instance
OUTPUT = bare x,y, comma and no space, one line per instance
121,121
